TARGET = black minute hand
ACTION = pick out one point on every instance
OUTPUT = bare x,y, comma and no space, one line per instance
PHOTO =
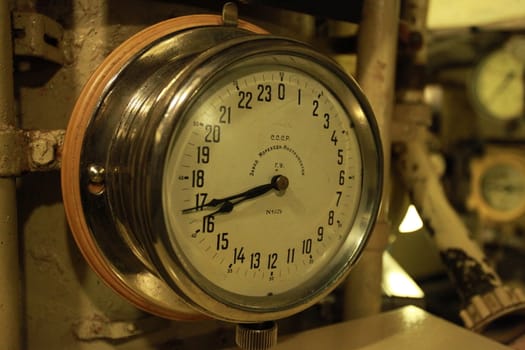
278,182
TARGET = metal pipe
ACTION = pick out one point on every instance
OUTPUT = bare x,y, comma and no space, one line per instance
485,298
10,282
376,64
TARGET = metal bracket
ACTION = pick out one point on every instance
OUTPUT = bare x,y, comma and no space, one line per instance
25,151
230,15
409,121
36,35
100,327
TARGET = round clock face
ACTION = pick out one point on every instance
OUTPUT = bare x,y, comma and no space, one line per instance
222,173
503,187
498,185
498,86
263,181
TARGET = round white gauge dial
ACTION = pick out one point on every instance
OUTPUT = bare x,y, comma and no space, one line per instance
211,171
503,187
261,123
498,85
498,185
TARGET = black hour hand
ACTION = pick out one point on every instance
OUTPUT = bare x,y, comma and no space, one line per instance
278,182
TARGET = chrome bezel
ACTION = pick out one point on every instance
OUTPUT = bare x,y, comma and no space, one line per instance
130,133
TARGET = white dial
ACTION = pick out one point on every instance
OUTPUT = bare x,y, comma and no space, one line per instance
499,85
503,187
498,185
254,125
221,173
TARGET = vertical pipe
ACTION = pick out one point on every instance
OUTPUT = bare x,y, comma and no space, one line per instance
376,64
10,284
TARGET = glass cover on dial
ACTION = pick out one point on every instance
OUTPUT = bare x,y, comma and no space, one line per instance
499,85
503,187
240,172
262,182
